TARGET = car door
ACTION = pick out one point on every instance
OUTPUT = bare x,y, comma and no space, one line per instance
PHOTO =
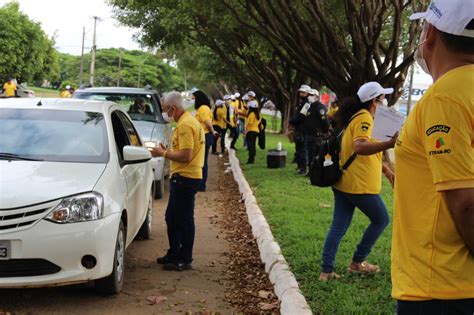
130,173
137,179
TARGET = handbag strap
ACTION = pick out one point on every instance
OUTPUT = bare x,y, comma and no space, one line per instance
353,155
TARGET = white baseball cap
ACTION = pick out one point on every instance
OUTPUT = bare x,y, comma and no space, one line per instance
314,92
253,104
449,16
194,89
68,87
245,97
226,97
304,88
251,93
371,90
237,95
219,102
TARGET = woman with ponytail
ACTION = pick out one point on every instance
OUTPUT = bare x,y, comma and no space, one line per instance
204,116
360,184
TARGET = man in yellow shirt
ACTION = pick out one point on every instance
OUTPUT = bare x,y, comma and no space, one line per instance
66,93
187,160
9,88
433,232
219,122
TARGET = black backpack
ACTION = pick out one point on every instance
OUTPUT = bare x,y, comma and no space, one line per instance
327,175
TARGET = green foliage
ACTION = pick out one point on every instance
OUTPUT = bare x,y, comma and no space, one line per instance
300,215
26,53
135,65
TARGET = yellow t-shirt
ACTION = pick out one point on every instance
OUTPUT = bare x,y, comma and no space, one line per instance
188,134
435,152
204,114
233,112
9,89
364,175
221,113
65,94
251,123
332,111
243,109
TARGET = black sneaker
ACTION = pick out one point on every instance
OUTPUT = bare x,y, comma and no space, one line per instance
163,260
177,266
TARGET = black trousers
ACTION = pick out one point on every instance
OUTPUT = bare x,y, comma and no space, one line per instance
251,138
436,307
301,152
222,132
234,134
180,217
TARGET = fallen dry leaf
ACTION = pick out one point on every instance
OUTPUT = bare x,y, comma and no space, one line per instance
264,294
268,306
156,299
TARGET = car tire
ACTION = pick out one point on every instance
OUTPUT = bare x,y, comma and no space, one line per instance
145,231
160,187
113,283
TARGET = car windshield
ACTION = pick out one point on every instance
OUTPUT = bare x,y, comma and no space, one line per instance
53,135
138,106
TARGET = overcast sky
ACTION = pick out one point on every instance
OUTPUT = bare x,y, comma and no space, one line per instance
67,17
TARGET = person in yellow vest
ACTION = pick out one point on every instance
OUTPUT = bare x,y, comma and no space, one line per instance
187,160
9,88
361,183
433,219
66,92
333,109
232,112
219,122
204,116
252,129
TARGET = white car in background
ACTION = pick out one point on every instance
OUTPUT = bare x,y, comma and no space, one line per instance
76,188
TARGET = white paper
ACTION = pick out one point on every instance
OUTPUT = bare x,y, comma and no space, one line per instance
387,121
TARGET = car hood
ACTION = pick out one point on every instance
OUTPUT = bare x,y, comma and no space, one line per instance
151,131
24,183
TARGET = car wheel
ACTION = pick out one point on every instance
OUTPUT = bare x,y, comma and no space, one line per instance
160,187
114,282
145,230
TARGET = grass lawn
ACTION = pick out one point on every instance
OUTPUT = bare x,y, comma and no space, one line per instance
43,92
299,215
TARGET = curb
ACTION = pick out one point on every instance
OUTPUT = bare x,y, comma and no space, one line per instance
284,283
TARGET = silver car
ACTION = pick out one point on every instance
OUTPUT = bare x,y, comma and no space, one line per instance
150,124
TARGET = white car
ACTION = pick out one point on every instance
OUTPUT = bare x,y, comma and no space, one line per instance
76,187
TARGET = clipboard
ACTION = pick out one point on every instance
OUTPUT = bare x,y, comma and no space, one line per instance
387,121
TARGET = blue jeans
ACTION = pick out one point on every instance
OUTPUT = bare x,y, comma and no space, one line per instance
180,218
436,307
209,142
344,205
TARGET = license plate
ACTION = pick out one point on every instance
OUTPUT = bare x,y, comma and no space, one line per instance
5,250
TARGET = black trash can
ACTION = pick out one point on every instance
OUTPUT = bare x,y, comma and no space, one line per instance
276,158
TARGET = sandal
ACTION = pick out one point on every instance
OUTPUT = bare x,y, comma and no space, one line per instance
323,276
363,268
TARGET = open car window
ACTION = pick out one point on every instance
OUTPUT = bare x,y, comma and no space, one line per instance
138,106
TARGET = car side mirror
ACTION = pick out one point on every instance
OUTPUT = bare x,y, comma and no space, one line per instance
135,155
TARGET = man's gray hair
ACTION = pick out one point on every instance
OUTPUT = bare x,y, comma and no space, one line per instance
174,99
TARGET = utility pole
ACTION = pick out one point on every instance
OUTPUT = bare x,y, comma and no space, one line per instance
410,87
119,67
185,81
94,48
81,70
139,73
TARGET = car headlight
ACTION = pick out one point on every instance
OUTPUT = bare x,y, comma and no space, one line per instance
80,208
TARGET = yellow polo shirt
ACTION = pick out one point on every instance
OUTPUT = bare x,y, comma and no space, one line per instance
251,123
204,114
435,152
9,89
221,113
364,175
65,94
188,134
233,112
